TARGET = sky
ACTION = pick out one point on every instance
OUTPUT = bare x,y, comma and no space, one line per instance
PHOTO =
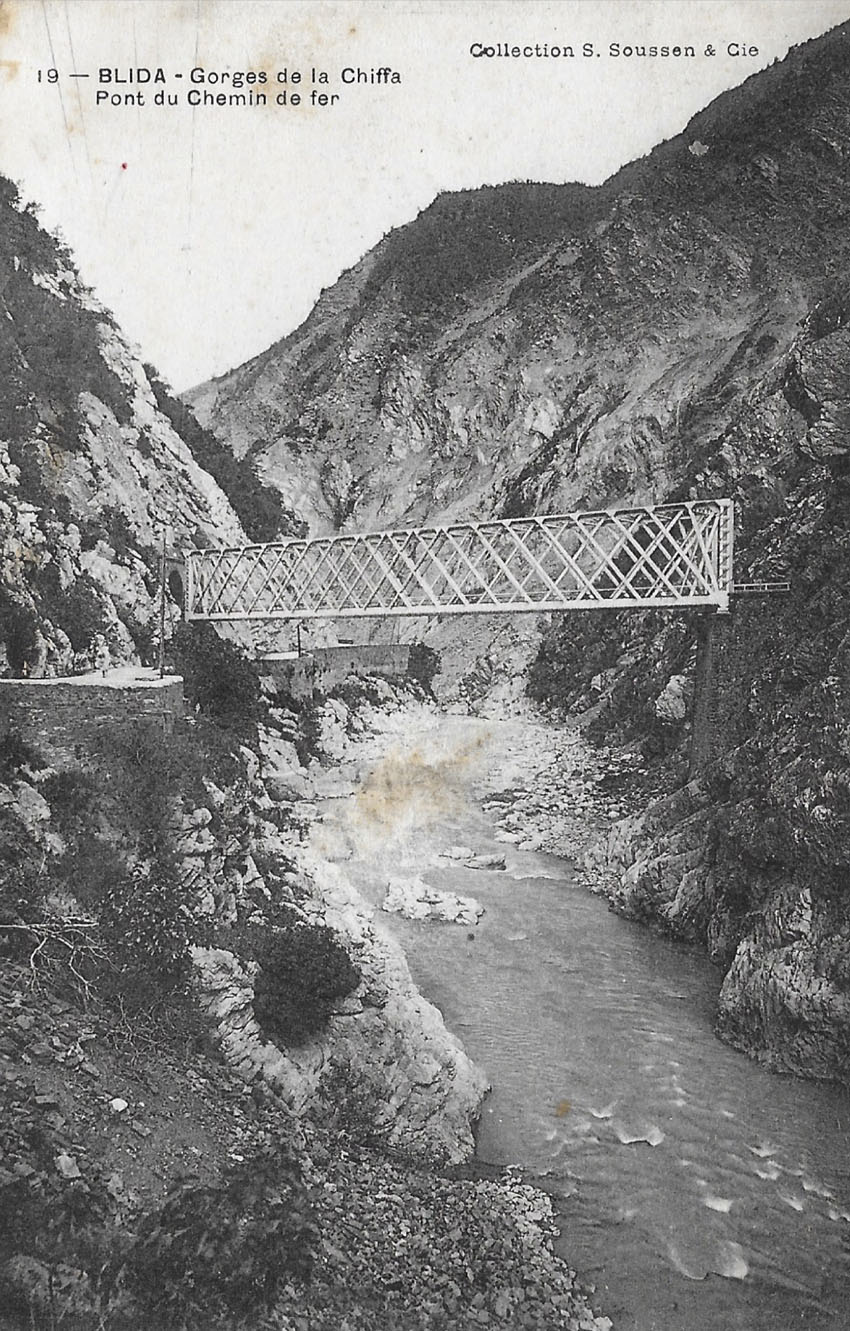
210,230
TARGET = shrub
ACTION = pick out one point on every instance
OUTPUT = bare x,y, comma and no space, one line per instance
19,630
23,888
303,969
146,773
218,678
90,866
145,923
23,882
230,1245
352,1104
78,609
15,754
110,525
423,665
71,798
30,460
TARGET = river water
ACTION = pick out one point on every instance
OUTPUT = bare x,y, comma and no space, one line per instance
694,1189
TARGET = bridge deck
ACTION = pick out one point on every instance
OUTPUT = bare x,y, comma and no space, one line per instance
668,555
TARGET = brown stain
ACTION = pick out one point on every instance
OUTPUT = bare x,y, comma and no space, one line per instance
8,17
413,788
562,1108
10,69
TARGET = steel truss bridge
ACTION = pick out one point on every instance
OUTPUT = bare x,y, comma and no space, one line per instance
671,555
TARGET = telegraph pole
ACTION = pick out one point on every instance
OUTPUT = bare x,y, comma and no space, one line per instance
162,606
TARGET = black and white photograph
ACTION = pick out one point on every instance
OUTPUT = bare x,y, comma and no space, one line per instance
424,665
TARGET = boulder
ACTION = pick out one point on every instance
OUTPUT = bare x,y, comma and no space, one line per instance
485,862
415,900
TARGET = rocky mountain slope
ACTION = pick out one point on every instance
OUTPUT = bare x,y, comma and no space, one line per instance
680,331
92,469
529,347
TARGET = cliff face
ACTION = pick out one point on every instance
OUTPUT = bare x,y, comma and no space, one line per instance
90,468
532,347
750,858
679,331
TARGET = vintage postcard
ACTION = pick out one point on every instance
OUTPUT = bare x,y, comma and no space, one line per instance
424,705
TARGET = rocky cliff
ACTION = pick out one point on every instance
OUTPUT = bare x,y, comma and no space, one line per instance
680,331
96,459
525,348
748,858
92,468
529,347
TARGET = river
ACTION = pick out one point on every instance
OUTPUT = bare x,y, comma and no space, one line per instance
694,1188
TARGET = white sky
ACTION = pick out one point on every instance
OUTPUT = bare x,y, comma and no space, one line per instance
210,232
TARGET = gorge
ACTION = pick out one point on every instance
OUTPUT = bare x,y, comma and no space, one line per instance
192,912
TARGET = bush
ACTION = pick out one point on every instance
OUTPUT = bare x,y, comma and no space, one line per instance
78,609
423,665
24,883
71,798
230,1245
145,773
218,678
352,1104
90,866
145,923
19,631
303,969
15,754
110,525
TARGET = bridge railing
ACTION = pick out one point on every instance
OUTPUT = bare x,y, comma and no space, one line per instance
666,555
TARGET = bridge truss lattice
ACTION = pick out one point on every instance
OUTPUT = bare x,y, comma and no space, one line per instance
671,555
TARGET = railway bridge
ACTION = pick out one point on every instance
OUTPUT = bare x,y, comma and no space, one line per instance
674,556
670,555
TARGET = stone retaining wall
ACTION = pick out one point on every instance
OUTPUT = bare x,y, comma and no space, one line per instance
334,664
64,718
322,668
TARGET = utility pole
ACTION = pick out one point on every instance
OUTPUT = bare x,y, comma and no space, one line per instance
162,606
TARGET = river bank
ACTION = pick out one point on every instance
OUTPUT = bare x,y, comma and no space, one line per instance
374,1110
